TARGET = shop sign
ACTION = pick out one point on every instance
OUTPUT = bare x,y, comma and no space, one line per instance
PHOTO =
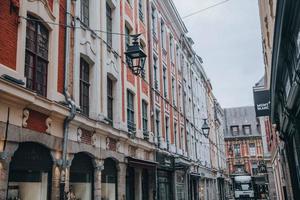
165,160
262,103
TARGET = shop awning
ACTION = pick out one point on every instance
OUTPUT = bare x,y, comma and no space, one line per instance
181,163
134,162
195,175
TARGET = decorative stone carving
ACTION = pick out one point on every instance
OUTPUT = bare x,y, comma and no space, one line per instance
107,143
111,144
90,45
99,165
118,147
47,7
79,134
48,125
94,139
25,117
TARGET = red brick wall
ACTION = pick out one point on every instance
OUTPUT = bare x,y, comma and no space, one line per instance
145,88
8,34
51,4
37,121
86,137
61,48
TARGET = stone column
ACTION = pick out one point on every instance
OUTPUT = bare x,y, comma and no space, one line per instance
4,170
5,159
97,178
55,182
122,181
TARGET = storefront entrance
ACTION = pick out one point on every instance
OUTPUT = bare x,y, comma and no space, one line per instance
30,173
164,185
130,184
82,177
109,180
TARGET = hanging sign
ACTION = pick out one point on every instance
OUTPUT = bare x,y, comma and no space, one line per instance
262,103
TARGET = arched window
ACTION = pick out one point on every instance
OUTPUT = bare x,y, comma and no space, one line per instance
82,177
109,180
30,173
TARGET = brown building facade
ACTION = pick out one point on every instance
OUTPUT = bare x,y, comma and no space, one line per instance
242,140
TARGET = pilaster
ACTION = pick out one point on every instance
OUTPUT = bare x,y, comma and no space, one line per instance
122,181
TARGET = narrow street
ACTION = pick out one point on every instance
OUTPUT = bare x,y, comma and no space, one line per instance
149,100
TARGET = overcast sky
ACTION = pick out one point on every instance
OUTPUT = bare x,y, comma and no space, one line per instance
228,38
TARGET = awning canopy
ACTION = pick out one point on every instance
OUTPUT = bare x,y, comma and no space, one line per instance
134,162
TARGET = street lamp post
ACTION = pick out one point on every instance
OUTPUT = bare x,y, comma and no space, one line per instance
135,56
205,128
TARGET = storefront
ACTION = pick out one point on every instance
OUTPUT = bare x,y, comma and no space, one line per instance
30,173
165,176
181,178
82,177
195,188
109,180
140,179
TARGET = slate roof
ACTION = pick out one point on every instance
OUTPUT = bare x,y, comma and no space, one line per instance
240,116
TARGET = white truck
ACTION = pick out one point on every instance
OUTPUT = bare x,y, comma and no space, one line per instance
243,187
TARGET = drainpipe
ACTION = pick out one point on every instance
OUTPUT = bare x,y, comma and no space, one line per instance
70,102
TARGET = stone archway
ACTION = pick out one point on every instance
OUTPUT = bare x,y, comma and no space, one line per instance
82,177
30,172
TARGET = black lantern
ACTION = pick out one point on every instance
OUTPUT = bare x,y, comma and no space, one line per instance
135,56
205,128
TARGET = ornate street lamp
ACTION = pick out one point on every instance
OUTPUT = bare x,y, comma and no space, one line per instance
135,56
205,128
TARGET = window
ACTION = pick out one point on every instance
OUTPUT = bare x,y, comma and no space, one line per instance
179,96
36,56
145,116
237,151
171,48
130,112
252,149
84,86
234,130
153,17
141,13
167,130
143,71
182,139
127,37
109,24
110,100
155,72
157,122
254,168
162,30
175,134
85,12
173,91
247,129
165,82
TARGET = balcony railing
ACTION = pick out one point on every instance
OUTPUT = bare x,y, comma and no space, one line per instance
131,127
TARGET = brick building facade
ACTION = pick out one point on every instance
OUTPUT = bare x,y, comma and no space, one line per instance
242,140
75,120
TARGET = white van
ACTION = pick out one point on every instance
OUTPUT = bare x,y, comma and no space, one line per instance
243,187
